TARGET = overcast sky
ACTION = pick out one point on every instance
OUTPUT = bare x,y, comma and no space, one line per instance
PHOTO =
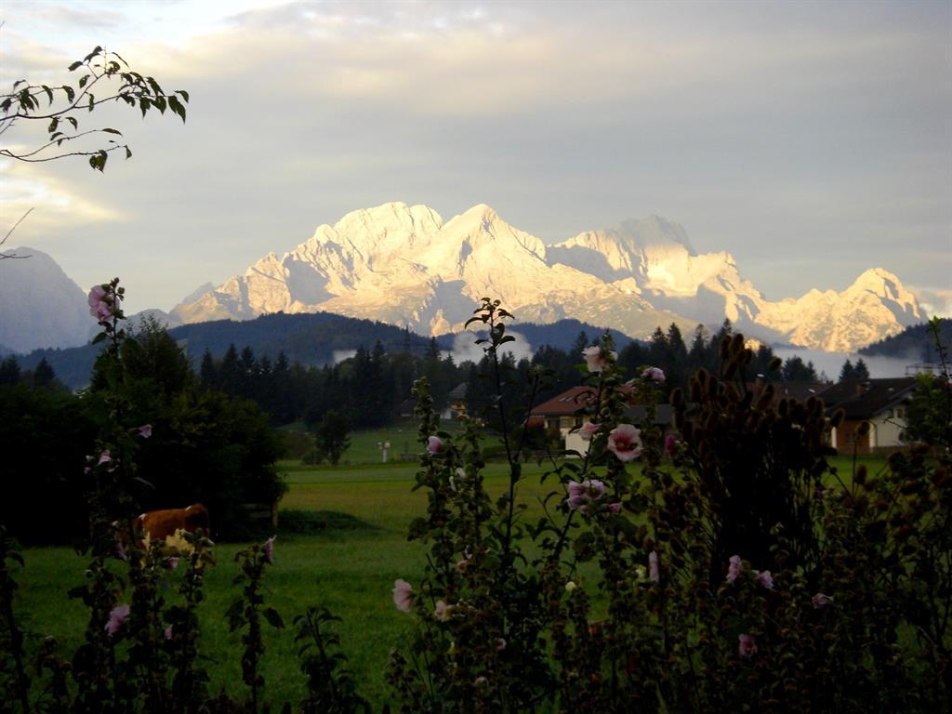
811,140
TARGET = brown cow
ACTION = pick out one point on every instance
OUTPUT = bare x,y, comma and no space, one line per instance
162,524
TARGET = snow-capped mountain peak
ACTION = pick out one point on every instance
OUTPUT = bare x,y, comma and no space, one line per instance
404,265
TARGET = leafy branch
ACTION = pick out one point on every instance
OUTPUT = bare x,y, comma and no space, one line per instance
60,105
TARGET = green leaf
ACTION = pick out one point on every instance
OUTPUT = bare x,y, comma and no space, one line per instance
76,65
70,93
273,617
183,93
112,131
176,106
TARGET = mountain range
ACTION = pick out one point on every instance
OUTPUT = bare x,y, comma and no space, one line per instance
404,265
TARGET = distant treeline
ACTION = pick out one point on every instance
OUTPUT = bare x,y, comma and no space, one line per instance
914,343
373,386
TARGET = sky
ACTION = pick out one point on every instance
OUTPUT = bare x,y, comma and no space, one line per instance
811,140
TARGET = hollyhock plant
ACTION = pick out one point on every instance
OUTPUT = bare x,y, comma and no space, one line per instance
820,600
443,612
268,549
653,374
587,430
733,570
583,493
596,360
118,615
746,645
434,445
670,444
765,579
100,303
403,595
145,431
624,441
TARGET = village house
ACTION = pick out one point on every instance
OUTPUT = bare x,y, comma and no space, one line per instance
565,413
881,403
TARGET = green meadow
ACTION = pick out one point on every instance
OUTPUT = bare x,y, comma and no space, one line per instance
341,543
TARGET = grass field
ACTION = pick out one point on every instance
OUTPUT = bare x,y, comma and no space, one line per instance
349,566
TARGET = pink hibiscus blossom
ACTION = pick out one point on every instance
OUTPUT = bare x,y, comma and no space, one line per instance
596,359
670,444
587,430
171,563
268,549
403,595
733,570
145,431
653,374
118,615
820,600
746,645
434,445
104,458
765,579
581,494
100,303
168,632
654,573
624,441
443,611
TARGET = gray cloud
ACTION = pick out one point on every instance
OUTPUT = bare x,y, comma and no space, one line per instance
811,140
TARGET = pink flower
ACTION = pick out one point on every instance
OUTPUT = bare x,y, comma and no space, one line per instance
100,303
104,458
168,632
746,645
434,445
145,431
765,579
171,563
624,441
615,508
443,611
670,444
117,616
268,549
654,374
581,494
403,595
820,600
654,574
587,430
733,570
500,644
596,359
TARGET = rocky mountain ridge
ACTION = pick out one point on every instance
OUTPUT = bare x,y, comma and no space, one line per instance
405,266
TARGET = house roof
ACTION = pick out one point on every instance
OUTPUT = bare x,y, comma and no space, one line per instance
865,398
566,403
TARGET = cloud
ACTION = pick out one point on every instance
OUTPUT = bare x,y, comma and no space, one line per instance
934,302
811,141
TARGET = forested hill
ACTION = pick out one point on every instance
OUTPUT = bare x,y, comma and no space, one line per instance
915,343
308,339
